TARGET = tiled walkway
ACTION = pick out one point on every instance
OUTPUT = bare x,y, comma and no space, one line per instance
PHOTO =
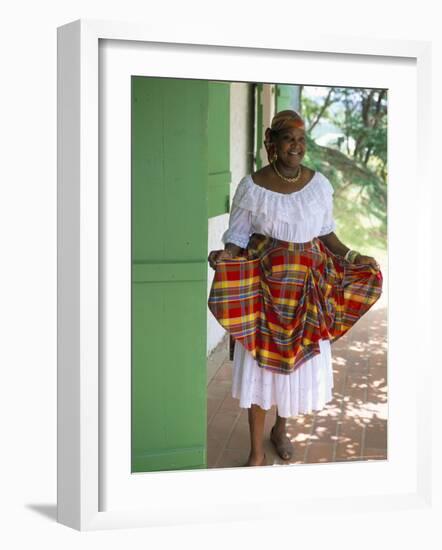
353,426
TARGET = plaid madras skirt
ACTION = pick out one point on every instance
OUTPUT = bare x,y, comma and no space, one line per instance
280,298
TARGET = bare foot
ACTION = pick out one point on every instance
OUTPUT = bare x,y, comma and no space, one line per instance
256,461
282,444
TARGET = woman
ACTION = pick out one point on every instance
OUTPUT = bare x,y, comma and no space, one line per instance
285,287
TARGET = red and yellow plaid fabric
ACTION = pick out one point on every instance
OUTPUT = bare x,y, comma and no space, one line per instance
281,298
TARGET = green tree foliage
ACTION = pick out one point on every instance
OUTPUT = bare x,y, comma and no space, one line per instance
355,160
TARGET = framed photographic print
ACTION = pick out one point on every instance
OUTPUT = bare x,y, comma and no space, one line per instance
154,134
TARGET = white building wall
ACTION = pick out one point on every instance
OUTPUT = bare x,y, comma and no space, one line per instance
241,151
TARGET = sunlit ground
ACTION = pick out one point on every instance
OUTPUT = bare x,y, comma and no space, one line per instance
353,426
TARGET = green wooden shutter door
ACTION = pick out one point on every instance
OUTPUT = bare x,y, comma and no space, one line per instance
169,273
219,175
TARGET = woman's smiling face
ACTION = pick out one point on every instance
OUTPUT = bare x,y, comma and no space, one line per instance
290,146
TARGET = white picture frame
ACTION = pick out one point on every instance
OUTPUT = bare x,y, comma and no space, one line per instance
187,497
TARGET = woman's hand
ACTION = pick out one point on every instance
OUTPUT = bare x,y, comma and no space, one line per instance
217,255
360,259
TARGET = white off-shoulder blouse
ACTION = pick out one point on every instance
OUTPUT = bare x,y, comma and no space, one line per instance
296,217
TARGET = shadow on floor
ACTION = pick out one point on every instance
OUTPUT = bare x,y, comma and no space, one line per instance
49,511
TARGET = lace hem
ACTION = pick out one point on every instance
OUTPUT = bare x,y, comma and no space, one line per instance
326,229
231,237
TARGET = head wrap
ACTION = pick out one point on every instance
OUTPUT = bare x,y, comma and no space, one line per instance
281,121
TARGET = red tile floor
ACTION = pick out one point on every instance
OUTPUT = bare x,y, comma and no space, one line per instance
353,426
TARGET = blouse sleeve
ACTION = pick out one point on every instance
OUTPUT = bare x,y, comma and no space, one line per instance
328,222
240,222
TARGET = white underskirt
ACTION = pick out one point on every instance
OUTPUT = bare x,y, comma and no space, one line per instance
305,390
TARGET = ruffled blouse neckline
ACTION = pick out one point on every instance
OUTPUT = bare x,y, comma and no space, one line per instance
307,185
298,205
